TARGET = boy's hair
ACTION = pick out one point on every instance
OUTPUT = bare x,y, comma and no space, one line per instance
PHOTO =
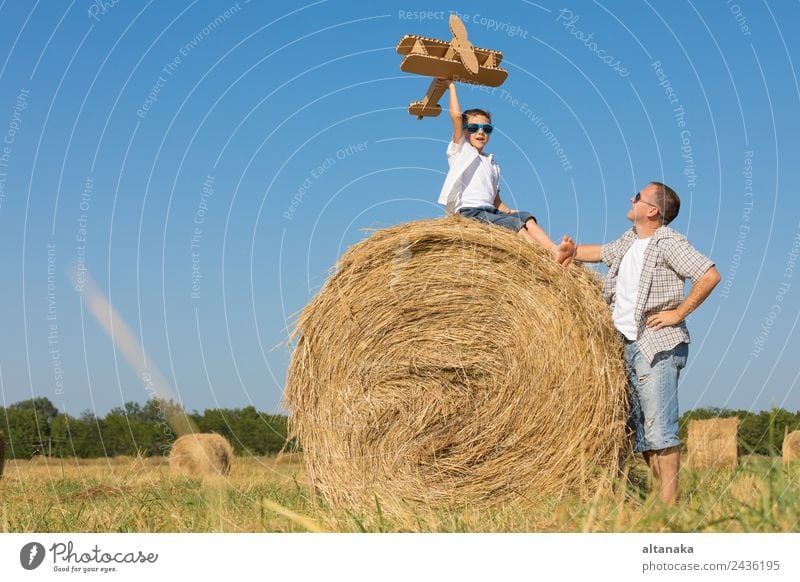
669,203
471,112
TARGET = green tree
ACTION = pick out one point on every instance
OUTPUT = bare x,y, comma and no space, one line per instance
214,420
24,434
764,432
36,426
117,434
82,435
130,409
275,432
60,437
33,439
249,431
134,429
44,409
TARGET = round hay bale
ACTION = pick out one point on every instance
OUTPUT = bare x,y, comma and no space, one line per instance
712,443
448,363
790,451
197,455
2,453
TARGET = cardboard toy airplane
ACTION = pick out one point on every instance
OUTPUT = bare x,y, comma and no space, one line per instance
456,59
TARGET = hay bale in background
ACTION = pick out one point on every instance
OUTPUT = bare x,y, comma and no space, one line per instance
196,455
2,453
791,447
712,443
447,362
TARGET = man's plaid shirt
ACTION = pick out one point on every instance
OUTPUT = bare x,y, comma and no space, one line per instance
668,261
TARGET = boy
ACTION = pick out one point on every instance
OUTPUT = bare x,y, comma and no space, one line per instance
472,186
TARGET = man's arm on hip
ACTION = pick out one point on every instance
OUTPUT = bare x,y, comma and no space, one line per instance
701,289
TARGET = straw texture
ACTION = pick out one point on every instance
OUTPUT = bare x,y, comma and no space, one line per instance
447,362
791,447
2,453
197,455
712,443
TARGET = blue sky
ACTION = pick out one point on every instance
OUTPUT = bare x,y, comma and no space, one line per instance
207,163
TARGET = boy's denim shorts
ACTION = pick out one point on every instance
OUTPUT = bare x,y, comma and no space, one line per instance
513,220
653,390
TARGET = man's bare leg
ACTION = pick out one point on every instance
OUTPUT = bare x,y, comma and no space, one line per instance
665,465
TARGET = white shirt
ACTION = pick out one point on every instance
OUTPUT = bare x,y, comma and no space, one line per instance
630,271
480,184
470,173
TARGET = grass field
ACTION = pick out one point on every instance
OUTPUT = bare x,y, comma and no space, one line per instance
263,494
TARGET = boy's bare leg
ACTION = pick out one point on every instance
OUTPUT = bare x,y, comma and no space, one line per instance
538,234
562,252
525,235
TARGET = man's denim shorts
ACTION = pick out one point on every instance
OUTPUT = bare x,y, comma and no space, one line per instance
653,390
513,220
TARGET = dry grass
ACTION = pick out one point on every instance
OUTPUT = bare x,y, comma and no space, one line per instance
448,362
274,495
712,443
197,455
143,495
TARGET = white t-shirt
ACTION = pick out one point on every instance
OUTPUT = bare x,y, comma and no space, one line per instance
630,271
480,184
464,161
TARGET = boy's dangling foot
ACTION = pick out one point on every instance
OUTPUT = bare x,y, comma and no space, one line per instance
564,252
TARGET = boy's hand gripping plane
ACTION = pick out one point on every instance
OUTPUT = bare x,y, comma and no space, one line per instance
457,60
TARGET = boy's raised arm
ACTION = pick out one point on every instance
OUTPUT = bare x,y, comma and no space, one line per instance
455,109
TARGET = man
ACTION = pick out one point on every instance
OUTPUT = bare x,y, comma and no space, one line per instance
644,287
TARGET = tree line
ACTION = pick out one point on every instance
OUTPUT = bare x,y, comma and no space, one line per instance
36,427
760,433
